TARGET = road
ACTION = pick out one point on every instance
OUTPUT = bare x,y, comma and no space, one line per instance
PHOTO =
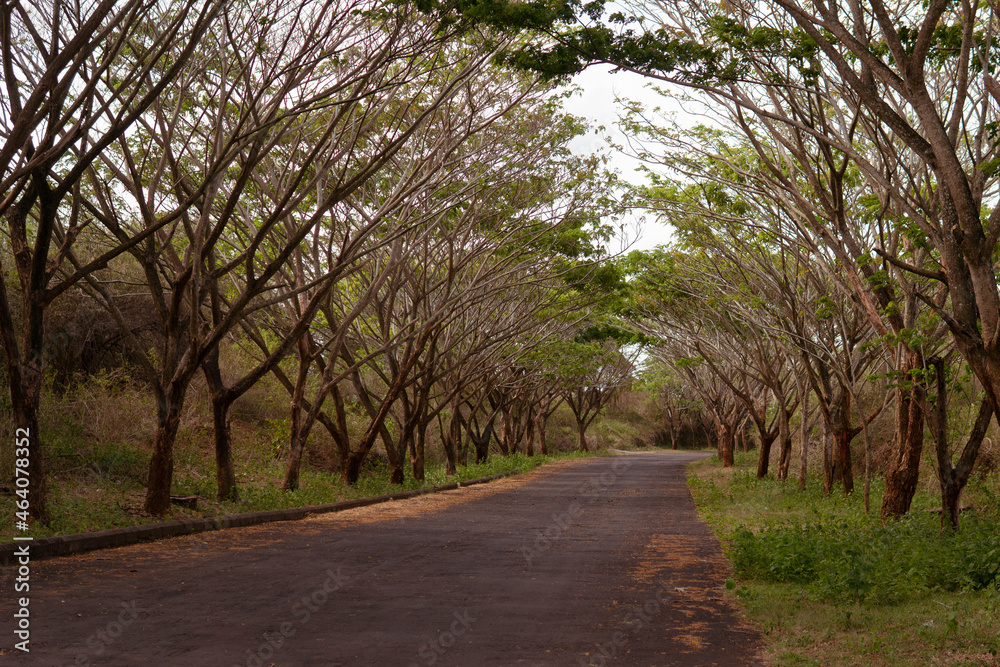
598,561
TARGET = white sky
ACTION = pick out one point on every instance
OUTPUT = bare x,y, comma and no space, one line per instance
596,102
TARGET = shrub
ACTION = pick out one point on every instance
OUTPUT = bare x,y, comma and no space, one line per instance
891,563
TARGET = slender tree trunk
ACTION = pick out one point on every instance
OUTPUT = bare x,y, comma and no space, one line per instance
529,435
827,437
764,455
225,474
24,357
451,440
509,431
804,428
784,439
505,434
297,428
352,471
417,458
953,478
540,423
463,451
726,443
908,444
842,442
161,466
26,435
396,456
581,427
296,447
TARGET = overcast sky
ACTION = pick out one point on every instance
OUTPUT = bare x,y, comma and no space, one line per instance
597,102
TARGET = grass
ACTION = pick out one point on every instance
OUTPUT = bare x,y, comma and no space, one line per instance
830,585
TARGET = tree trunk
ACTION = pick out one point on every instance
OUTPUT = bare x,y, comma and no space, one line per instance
842,442
827,437
451,440
24,361
904,467
297,428
726,443
804,428
953,478
481,440
540,422
26,435
161,466
396,474
784,440
225,474
417,456
764,457
582,431
529,433
505,429
296,446
842,458
509,432
352,470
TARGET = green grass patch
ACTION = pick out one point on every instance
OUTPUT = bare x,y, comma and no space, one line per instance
831,585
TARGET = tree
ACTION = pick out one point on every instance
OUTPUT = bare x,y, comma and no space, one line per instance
594,372
75,79
912,89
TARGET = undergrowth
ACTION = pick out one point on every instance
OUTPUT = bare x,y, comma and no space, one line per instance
831,585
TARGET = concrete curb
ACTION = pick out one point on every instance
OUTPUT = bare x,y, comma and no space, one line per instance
65,545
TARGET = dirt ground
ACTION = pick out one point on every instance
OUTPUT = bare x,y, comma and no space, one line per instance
589,562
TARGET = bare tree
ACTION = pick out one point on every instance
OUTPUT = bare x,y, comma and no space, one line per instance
75,79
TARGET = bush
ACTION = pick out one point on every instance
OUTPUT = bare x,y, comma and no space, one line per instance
888,564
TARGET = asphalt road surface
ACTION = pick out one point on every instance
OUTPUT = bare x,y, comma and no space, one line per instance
597,561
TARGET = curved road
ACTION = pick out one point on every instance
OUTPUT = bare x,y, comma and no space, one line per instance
596,561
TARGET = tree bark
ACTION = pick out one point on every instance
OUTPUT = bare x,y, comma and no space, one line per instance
904,467
726,443
540,422
784,439
299,425
529,432
225,473
804,428
161,466
953,478
764,455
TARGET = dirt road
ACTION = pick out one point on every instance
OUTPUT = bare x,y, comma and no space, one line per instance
591,562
